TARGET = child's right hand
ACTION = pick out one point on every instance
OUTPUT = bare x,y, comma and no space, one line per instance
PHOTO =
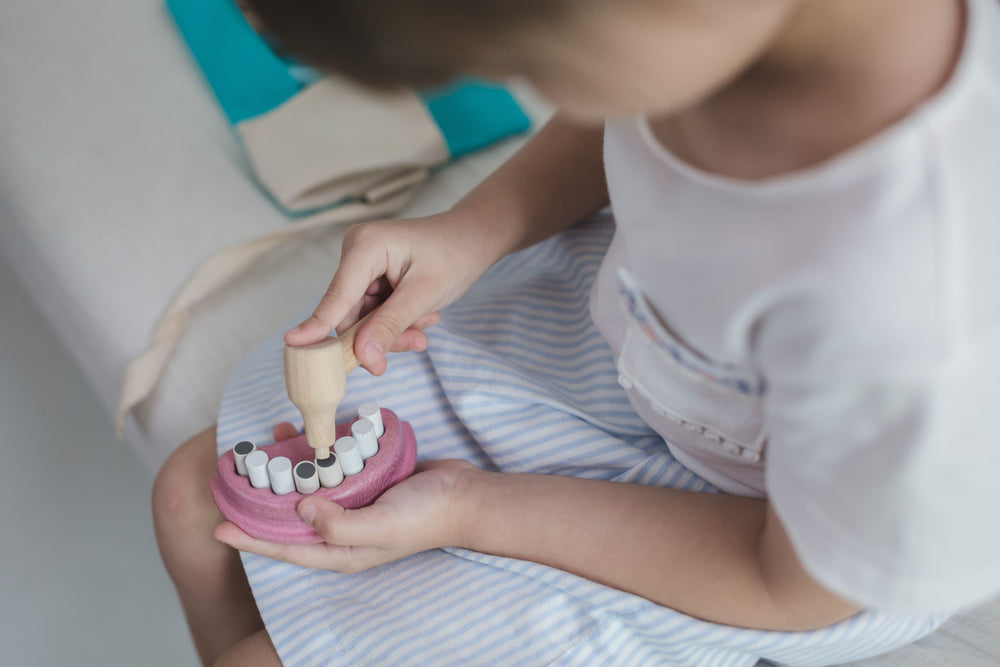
405,270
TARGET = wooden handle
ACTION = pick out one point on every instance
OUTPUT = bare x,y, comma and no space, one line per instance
315,378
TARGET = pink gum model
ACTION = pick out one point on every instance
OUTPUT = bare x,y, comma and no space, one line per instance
264,515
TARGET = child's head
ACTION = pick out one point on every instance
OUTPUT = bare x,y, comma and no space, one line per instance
593,58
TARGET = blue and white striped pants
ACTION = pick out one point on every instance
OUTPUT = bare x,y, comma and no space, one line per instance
516,379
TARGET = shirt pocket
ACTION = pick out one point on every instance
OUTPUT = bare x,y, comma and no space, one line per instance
719,402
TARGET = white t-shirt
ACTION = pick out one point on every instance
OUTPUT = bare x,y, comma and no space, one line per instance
831,338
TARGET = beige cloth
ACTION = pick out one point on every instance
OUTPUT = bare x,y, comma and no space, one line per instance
333,142
143,372
336,139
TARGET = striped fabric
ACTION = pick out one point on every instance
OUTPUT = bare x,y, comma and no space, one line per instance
516,379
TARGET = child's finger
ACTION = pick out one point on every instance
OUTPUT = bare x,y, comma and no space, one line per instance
443,463
347,288
410,340
428,320
317,555
414,339
408,304
311,330
365,527
284,431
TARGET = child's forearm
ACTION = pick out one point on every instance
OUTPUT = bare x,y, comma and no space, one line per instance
721,558
554,181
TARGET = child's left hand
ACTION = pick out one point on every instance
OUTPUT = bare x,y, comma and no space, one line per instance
417,514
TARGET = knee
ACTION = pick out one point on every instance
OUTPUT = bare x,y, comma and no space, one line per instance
256,649
181,500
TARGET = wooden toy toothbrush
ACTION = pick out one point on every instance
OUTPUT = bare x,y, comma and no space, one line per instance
316,379
259,488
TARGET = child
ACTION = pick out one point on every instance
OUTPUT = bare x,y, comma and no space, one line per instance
800,298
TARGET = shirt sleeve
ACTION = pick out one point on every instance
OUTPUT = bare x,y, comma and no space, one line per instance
883,457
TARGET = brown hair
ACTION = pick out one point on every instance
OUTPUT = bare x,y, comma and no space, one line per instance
387,43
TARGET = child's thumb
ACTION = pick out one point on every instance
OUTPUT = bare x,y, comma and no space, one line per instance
338,526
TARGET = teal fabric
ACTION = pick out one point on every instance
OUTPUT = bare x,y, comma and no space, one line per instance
250,79
245,74
473,114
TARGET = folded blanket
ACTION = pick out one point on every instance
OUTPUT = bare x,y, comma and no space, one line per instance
516,379
315,142
325,150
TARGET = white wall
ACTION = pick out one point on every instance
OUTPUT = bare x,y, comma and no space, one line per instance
81,581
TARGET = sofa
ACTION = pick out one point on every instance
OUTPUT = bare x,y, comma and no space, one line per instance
120,177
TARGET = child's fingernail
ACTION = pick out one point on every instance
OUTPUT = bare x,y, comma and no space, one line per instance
374,351
307,511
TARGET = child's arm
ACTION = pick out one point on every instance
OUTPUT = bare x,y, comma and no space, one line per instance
722,558
555,180
420,266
